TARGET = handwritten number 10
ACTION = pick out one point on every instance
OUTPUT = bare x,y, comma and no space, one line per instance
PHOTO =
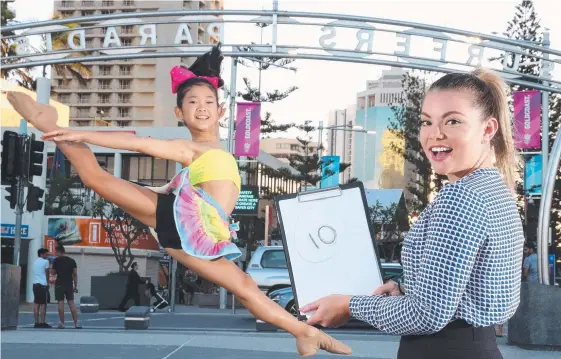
327,236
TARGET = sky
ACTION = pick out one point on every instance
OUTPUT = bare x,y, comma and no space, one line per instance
325,85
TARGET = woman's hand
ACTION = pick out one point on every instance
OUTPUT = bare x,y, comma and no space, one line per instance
330,312
389,288
65,135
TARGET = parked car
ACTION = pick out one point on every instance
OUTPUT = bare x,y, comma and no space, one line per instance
268,268
285,298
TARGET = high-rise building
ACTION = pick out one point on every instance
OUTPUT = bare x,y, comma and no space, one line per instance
131,92
374,162
340,140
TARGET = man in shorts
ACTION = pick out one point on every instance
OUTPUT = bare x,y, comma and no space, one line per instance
40,275
66,284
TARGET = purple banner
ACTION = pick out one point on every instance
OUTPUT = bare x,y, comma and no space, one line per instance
527,119
248,129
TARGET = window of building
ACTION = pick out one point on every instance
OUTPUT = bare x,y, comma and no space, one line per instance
63,84
147,170
107,12
126,42
83,98
67,13
124,112
88,3
123,123
274,259
104,97
127,29
295,147
87,13
106,162
105,70
125,70
64,98
124,98
361,102
83,112
103,112
104,84
371,101
124,84
67,3
128,2
107,3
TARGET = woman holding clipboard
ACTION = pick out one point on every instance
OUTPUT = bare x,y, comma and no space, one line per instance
462,257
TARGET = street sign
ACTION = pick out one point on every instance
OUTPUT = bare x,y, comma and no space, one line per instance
9,230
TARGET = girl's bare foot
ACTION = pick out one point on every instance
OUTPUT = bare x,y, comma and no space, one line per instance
42,117
315,340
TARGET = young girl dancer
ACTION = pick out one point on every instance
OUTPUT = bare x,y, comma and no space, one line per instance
190,215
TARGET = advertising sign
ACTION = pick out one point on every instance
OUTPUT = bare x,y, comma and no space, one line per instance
527,119
248,201
9,230
89,232
533,175
330,171
248,129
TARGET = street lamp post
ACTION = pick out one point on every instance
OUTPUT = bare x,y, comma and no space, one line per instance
344,127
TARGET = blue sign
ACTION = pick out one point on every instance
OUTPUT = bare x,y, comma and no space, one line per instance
533,174
551,264
9,230
330,171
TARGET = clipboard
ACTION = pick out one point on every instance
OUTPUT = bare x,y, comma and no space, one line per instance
329,243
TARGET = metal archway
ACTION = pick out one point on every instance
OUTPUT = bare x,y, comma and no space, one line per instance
361,49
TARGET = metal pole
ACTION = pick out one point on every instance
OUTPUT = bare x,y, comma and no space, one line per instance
172,284
232,110
19,215
344,145
545,211
320,129
223,292
36,231
365,138
543,227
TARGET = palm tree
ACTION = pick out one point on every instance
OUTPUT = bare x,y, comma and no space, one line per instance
9,50
59,42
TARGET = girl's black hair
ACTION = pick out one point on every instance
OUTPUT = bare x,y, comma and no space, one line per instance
206,65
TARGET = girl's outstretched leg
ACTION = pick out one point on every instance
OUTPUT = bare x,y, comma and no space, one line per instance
139,202
228,275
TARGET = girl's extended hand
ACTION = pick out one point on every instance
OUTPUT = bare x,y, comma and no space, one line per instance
65,135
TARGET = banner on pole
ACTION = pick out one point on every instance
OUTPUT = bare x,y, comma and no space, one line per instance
533,175
527,119
330,171
248,129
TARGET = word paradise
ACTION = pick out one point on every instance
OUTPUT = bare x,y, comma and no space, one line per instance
76,38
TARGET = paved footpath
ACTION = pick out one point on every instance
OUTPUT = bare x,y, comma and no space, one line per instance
193,334
93,344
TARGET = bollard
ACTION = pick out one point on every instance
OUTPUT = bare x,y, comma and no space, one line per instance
89,304
137,318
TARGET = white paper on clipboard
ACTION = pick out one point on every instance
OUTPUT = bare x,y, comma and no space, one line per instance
328,243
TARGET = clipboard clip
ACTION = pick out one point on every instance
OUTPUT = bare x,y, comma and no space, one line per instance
318,194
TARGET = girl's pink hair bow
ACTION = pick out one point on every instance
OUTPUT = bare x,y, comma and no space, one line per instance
180,74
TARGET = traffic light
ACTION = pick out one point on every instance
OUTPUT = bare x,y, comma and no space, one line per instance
12,196
12,153
34,196
35,163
